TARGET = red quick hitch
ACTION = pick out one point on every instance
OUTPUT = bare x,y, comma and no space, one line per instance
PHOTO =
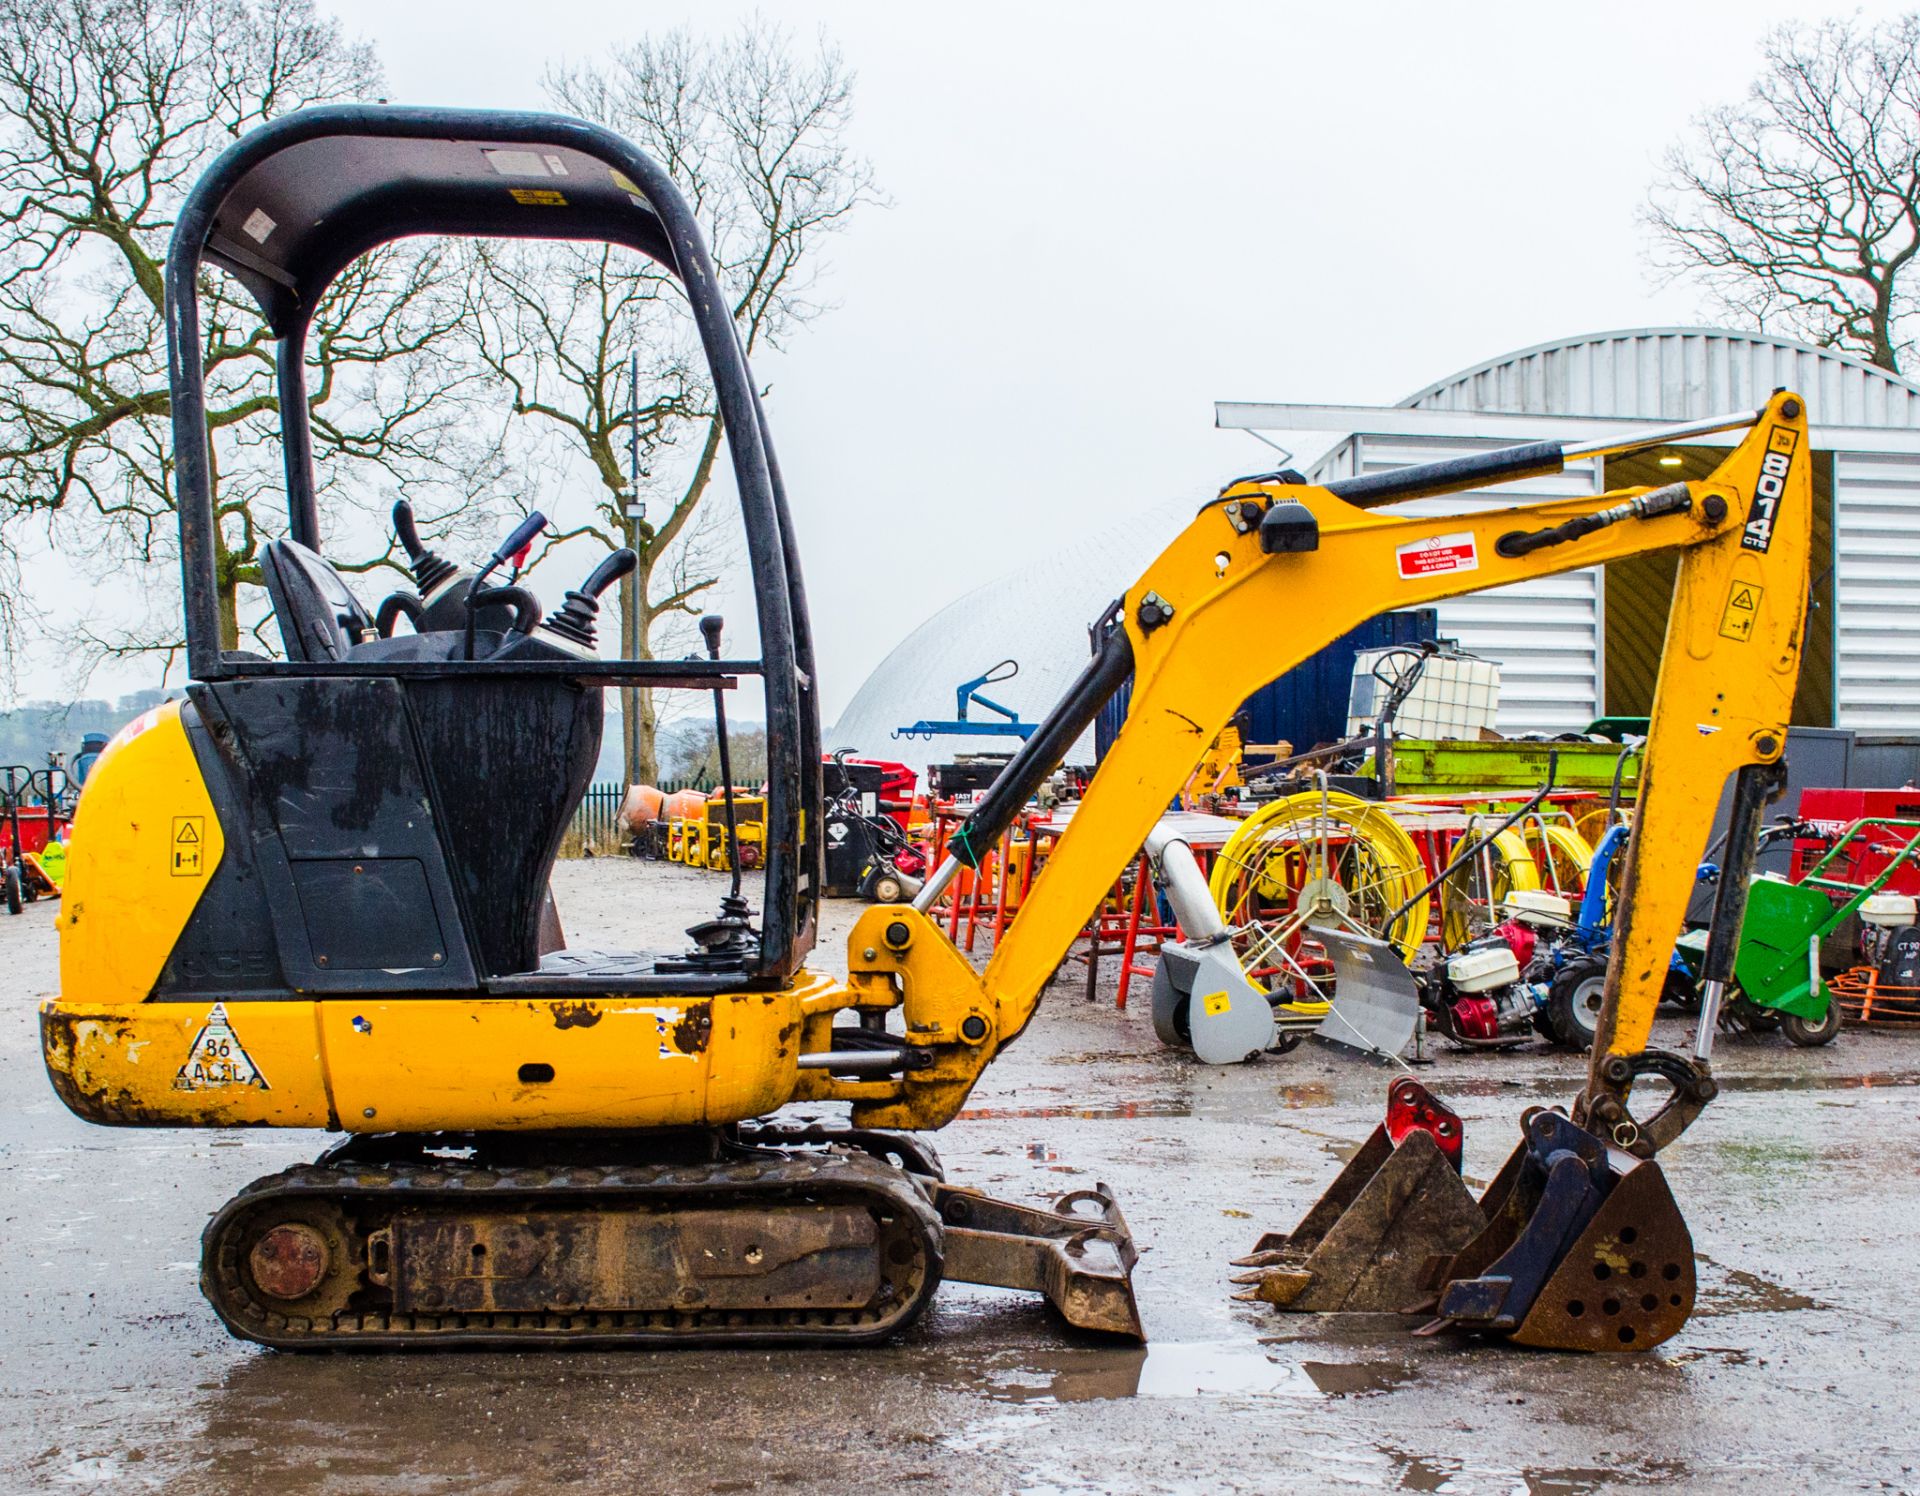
1411,1105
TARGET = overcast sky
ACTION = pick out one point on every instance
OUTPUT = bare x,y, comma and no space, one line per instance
1105,217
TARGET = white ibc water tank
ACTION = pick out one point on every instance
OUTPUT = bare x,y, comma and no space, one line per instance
1456,696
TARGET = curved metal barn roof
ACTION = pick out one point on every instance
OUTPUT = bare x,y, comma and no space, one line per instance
1675,374
1037,615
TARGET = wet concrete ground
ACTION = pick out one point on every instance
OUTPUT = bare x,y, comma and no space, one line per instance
1802,1187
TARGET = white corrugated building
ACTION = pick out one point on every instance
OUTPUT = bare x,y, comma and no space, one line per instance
1571,648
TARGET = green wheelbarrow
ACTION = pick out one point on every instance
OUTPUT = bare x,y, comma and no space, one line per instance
1777,981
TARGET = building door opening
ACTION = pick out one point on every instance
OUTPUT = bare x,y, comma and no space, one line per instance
1639,590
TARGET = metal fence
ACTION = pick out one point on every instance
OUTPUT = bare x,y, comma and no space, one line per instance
594,831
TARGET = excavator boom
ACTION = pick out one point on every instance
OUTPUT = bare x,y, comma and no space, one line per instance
1273,571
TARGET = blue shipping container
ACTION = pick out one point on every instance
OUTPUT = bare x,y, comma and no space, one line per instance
1308,705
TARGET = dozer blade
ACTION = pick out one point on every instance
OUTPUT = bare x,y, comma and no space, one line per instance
1080,1258
1372,1242
1376,1002
1584,1249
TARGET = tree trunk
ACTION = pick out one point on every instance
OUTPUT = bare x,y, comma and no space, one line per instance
638,718
629,696
226,576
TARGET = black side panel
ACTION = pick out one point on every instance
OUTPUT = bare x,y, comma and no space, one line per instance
227,949
369,914
334,783
509,761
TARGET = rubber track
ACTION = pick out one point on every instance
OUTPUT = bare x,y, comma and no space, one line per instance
371,1195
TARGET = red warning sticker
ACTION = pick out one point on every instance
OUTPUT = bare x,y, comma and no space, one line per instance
1439,553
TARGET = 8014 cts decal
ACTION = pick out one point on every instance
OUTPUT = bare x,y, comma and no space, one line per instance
1771,488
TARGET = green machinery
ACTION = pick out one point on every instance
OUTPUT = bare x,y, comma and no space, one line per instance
1777,964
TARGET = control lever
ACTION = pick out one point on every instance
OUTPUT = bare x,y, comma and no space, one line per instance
574,620
442,586
518,539
729,938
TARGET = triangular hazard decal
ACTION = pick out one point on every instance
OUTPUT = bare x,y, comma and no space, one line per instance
218,1058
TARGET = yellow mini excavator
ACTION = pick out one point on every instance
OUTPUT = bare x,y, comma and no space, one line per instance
315,892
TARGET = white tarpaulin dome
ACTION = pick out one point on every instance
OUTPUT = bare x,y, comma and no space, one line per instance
1037,615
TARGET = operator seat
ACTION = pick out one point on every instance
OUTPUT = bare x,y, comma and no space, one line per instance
320,618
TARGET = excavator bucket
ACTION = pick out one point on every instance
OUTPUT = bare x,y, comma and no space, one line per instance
1373,1240
1573,1246
1584,1249
1376,1002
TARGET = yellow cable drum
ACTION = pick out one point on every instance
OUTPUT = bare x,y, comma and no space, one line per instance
1321,857
1472,895
1562,855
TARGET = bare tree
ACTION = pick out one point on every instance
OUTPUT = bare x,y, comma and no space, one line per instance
695,754
753,134
1799,207
109,111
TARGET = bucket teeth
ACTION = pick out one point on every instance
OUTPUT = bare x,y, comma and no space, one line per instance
1368,1244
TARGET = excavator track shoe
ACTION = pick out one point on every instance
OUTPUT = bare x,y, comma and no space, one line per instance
1369,1244
762,1248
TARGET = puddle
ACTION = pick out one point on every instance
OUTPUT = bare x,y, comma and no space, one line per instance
1543,1085
1421,1473
1177,1369
1737,1291
1317,1094
1118,1111
1356,1378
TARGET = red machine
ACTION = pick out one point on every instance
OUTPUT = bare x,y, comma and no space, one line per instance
1831,811
897,785
30,818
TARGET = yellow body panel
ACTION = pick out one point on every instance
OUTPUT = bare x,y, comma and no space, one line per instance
431,1064
144,845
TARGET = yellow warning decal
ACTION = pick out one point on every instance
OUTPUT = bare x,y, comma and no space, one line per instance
1215,1004
1743,606
189,845
538,197
218,1058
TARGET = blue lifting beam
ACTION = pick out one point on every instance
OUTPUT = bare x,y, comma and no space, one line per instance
968,694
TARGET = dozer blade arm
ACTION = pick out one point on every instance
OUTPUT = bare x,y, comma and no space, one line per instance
1262,578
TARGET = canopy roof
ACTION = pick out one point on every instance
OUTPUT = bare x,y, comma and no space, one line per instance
295,202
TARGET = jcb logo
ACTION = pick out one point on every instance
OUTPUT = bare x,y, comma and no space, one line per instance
1770,490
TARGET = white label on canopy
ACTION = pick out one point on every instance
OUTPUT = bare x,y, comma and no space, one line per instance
258,226
518,163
